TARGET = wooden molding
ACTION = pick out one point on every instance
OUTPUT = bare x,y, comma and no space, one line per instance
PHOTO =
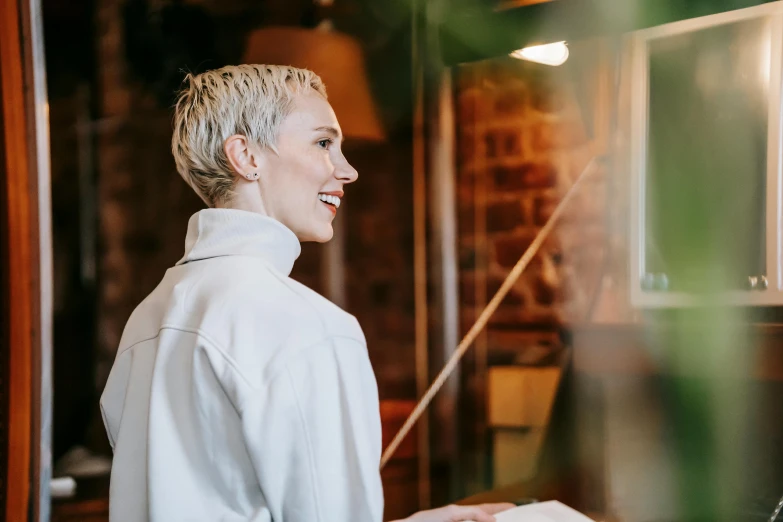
18,261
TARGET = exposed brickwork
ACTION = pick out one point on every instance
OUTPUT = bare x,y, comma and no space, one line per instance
504,216
521,143
523,176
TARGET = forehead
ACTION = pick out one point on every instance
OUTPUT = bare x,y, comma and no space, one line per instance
310,111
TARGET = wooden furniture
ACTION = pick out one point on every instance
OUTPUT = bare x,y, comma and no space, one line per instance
519,404
565,470
85,511
25,280
641,407
668,392
91,503
18,302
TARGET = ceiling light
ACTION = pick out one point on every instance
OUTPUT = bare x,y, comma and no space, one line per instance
548,54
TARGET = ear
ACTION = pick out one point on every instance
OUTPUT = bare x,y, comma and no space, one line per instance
246,159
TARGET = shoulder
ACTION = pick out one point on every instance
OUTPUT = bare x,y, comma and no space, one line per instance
259,317
247,315
253,292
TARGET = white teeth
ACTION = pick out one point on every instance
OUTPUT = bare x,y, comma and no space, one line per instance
333,200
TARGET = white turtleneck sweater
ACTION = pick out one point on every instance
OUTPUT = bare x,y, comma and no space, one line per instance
239,394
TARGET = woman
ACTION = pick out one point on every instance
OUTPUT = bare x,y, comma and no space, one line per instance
237,393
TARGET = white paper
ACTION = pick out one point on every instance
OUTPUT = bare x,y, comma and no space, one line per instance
551,511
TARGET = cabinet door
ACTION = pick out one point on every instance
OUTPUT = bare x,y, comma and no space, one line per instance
706,150
705,184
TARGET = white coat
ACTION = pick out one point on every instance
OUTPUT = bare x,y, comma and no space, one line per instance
238,394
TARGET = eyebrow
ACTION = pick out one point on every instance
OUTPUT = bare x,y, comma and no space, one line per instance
330,130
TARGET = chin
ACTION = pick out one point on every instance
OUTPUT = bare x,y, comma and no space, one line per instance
322,234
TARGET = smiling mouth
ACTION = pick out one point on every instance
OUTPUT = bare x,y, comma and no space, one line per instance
333,201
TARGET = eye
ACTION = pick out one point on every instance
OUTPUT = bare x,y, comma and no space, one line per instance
324,144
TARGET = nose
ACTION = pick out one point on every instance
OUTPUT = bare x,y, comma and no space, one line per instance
345,172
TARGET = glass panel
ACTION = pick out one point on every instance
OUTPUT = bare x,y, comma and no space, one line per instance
705,178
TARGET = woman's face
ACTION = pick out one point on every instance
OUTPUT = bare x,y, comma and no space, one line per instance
303,183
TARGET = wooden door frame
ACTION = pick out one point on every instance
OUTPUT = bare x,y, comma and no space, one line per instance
26,260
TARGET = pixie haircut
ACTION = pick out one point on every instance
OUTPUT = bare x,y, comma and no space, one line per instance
251,100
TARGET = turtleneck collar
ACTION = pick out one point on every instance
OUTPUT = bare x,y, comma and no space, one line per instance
217,232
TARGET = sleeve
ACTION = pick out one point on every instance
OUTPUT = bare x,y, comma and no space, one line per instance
314,437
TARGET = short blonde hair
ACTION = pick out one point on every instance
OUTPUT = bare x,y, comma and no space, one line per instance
251,100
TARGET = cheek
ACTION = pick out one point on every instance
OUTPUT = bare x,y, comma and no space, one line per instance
303,174
319,170
309,177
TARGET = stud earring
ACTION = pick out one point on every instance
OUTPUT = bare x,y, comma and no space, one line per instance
252,176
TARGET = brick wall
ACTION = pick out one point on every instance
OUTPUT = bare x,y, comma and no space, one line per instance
525,133
522,143
143,205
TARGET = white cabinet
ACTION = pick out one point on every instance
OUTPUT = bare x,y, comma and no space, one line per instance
706,160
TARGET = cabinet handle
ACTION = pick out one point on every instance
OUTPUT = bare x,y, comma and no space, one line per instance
753,282
658,282
763,283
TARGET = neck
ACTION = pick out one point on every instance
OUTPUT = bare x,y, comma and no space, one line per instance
241,200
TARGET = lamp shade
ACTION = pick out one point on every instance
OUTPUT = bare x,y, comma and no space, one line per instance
337,58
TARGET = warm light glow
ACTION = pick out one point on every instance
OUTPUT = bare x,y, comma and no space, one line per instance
548,54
